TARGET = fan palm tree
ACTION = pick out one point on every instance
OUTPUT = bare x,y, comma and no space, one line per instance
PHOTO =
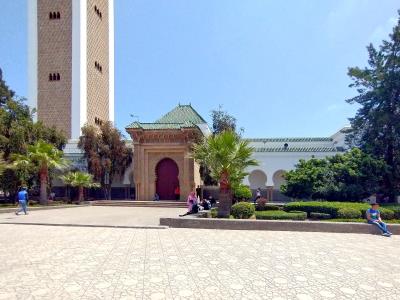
81,180
227,156
41,157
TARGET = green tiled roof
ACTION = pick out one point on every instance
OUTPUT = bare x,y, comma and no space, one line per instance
297,149
182,116
160,126
298,139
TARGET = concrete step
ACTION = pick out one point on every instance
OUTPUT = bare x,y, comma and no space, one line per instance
132,203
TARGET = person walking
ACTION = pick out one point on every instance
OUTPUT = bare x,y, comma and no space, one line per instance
22,200
198,192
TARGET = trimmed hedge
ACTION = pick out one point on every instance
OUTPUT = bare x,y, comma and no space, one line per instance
320,216
333,208
280,215
272,207
242,210
349,213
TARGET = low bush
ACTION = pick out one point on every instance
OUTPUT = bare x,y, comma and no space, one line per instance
214,212
320,216
261,203
387,214
272,207
242,192
348,213
242,210
280,215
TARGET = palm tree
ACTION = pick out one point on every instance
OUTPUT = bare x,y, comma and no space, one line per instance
81,180
41,157
227,156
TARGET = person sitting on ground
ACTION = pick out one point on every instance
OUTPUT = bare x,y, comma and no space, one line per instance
156,197
206,204
192,204
374,217
212,200
22,201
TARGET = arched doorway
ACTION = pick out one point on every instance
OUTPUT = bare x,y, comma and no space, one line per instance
278,179
167,172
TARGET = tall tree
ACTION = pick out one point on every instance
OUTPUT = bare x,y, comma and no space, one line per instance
106,152
222,121
376,125
227,156
41,158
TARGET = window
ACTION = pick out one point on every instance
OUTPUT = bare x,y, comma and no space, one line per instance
98,121
98,12
54,15
54,77
98,67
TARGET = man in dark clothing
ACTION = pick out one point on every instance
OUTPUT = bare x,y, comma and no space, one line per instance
198,192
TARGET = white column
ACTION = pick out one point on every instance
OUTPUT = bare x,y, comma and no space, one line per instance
111,60
32,55
79,67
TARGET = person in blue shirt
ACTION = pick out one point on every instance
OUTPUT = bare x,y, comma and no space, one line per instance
374,217
23,200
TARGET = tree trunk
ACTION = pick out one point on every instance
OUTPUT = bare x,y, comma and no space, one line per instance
225,203
43,187
225,196
80,198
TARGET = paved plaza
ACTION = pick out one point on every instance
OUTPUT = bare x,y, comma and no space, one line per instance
47,262
96,215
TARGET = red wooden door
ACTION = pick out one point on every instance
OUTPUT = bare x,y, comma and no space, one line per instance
167,179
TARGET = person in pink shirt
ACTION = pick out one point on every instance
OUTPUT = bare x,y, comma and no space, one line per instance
192,204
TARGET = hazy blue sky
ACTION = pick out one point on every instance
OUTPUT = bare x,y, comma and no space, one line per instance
278,66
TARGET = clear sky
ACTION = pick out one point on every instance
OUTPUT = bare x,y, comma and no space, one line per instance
278,66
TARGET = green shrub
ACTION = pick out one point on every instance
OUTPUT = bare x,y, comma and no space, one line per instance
386,214
242,192
261,203
242,210
331,208
214,212
320,216
280,215
272,207
348,213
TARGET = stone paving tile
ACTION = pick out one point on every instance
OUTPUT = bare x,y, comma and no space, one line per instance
41,262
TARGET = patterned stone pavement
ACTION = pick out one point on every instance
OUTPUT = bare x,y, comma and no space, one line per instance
44,262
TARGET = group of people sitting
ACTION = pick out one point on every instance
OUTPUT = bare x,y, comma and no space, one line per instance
196,204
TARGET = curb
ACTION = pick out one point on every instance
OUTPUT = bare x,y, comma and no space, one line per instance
89,225
300,226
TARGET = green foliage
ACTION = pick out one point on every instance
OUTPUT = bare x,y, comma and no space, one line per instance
241,192
227,156
320,216
106,153
376,126
348,213
222,121
243,210
351,176
41,158
271,207
79,179
214,212
225,152
333,208
386,214
280,215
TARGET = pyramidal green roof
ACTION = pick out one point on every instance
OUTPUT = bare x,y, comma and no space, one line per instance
182,114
